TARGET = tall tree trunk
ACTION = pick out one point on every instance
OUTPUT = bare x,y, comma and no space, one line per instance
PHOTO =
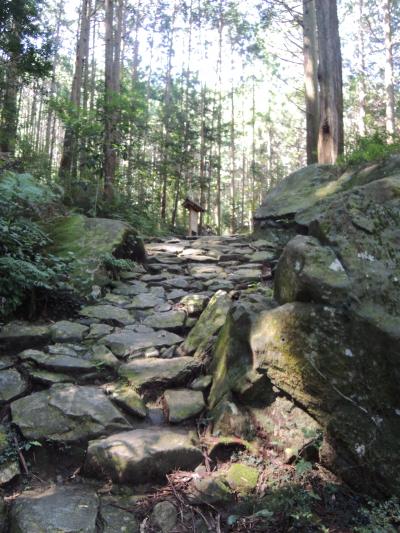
219,120
331,137
69,155
310,50
362,91
389,87
112,89
9,116
202,155
164,159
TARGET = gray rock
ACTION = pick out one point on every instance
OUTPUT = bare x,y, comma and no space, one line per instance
57,363
20,335
99,330
45,377
129,400
141,455
210,321
8,471
6,362
246,275
116,520
182,404
108,313
206,271
145,301
299,190
66,331
165,516
61,509
176,294
12,384
133,289
308,271
202,383
103,356
170,320
115,299
127,342
161,372
194,303
67,413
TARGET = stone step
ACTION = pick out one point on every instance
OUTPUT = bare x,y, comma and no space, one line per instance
141,455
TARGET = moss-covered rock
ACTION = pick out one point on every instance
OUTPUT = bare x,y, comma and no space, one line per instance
87,240
210,322
242,478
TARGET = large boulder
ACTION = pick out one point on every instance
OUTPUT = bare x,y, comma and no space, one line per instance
87,241
333,344
309,185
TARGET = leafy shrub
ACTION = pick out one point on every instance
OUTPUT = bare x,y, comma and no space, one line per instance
24,263
114,265
380,517
370,148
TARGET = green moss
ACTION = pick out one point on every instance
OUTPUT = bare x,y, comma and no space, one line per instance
242,478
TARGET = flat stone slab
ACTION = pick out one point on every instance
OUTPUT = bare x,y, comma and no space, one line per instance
59,509
131,289
12,384
169,320
108,313
66,331
57,363
99,330
67,413
158,371
246,274
20,335
127,342
141,455
182,404
145,301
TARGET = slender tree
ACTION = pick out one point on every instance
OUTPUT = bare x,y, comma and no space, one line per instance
386,6
311,78
331,134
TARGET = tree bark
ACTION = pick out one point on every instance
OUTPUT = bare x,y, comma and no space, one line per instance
310,50
331,137
69,152
389,86
9,116
362,91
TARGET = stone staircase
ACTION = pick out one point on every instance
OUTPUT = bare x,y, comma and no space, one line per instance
118,396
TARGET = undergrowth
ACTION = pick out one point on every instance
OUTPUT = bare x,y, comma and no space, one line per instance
25,266
370,148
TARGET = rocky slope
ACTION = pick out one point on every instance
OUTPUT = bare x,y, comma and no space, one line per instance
205,390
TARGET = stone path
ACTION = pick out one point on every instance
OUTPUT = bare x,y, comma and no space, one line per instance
124,386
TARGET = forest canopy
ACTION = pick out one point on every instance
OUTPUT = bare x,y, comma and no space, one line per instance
130,106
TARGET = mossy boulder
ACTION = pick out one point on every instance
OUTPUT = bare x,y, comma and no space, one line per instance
242,478
306,187
333,346
85,241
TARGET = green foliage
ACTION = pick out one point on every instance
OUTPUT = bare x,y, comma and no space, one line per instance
114,265
24,264
371,148
380,517
23,38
